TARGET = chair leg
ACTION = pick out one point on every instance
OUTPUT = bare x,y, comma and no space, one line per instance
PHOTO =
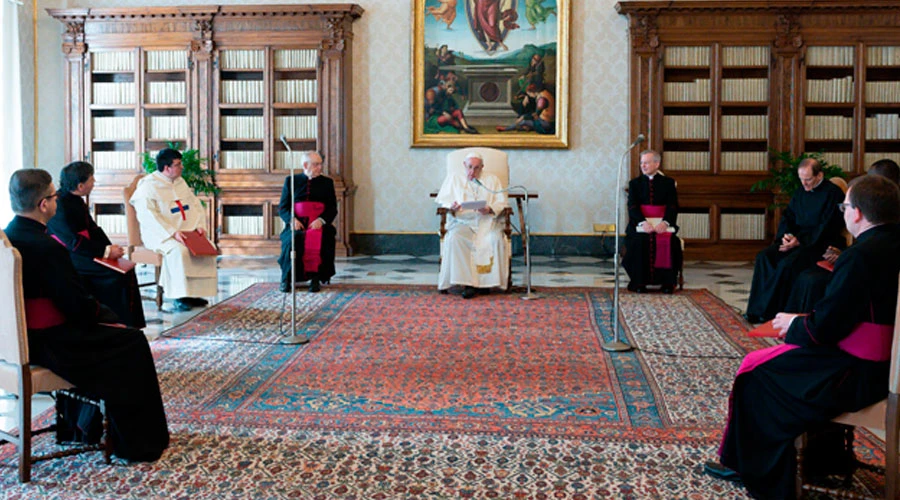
25,431
892,461
800,446
159,290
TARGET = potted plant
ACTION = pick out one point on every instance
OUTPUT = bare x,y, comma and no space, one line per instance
201,180
784,180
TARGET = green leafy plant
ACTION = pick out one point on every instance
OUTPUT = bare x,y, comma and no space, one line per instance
201,180
785,181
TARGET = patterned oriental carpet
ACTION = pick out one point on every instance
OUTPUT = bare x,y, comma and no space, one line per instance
403,392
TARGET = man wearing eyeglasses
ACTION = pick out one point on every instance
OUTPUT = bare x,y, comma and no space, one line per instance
834,360
77,337
810,224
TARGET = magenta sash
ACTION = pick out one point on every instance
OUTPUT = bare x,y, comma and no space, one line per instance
312,241
41,313
663,257
869,341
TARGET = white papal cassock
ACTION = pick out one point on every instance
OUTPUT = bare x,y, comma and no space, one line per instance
473,252
164,206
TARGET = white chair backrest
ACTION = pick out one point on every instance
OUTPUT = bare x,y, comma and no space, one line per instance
839,182
134,228
894,382
13,332
495,162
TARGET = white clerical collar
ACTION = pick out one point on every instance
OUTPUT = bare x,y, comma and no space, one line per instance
650,177
819,183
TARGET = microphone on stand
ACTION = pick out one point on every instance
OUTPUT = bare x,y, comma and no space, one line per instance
617,345
293,338
528,294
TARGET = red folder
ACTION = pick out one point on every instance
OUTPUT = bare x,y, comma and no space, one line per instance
199,245
766,330
118,265
824,264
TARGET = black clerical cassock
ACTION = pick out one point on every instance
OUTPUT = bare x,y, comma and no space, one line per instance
811,216
76,229
641,249
69,333
809,385
319,189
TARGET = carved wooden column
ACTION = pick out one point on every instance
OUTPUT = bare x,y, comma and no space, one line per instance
201,82
785,79
335,98
74,49
645,91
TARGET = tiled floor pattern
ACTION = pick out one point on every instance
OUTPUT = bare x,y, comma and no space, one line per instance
728,280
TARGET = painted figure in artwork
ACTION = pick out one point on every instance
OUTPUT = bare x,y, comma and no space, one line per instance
445,13
489,23
536,13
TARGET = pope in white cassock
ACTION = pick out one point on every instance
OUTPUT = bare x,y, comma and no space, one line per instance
473,252
166,207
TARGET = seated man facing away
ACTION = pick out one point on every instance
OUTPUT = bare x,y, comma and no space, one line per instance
833,361
78,338
312,212
76,229
810,224
652,251
810,284
474,253
166,208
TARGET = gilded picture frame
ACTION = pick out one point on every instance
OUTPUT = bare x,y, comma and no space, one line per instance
490,73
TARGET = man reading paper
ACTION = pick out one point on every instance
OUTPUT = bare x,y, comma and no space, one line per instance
166,209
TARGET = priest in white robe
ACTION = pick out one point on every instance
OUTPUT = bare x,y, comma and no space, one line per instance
473,253
166,208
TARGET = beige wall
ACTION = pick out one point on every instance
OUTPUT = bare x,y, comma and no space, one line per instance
576,186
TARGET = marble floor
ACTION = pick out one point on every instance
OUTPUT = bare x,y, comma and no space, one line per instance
728,280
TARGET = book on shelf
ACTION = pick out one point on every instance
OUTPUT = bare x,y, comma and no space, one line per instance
118,265
198,245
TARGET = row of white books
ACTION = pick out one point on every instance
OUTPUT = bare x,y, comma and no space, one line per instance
829,127
693,226
108,128
166,92
167,127
871,158
296,58
751,161
296,127
243,127
113,93
843,160
829,56
888,92
883,56
833,90
687,56
745,89
686,127
112,61
695,91
742,227
287,159
242,91
113,160
686,160
244,224
166,60
296,91
242,59
254,160
745,56
112,223
745,127
883,126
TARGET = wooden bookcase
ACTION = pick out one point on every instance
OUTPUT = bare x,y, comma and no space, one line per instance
229,81
714,86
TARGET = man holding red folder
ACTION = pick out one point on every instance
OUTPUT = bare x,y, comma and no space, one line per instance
168,210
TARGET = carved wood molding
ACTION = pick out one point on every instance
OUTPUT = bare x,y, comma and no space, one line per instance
644,33
202,45
787,38
799,6
73,39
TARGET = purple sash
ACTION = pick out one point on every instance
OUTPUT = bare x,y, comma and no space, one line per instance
663,258
312,241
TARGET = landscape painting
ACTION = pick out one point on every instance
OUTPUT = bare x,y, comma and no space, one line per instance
490,73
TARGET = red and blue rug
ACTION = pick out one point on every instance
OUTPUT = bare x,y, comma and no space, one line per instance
403,392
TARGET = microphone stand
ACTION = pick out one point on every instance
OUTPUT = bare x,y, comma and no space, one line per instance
617,345
527,230
293,338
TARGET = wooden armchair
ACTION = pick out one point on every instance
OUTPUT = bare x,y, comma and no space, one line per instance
881,416
136,251
17,375
496,162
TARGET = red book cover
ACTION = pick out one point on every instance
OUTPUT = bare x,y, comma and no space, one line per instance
118,265
824,264
199,245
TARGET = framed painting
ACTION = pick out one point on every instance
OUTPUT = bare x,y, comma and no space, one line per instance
490,73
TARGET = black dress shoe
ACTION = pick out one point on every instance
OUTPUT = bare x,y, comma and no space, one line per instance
752,318
719,471
284,287
314,285
180,305
668,289
195,301
469,292
637,288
